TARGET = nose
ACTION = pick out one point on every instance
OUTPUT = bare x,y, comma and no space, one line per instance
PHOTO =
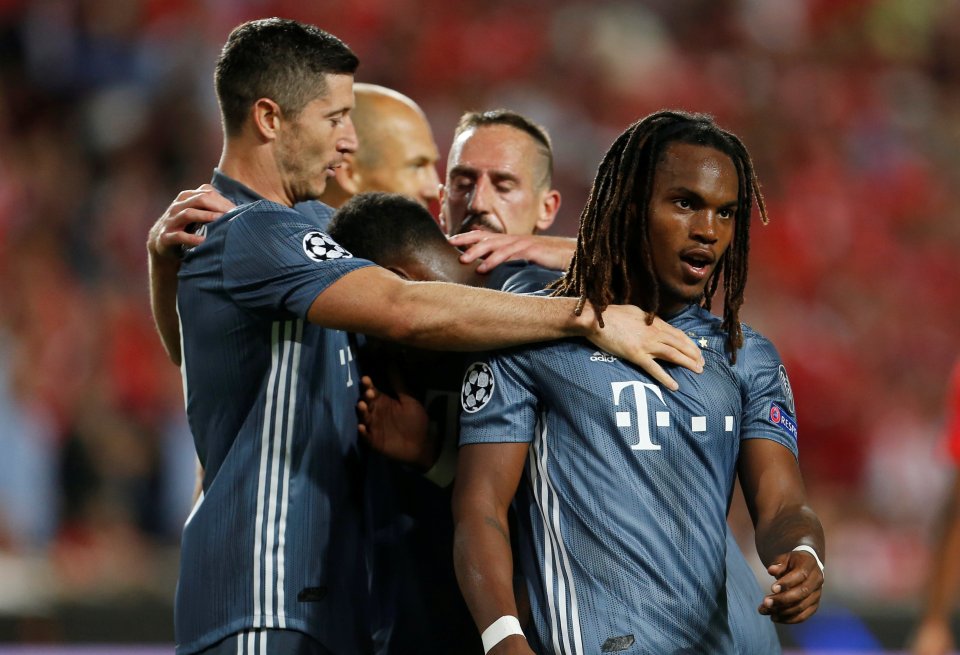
429,184
703,226
347,141
481,197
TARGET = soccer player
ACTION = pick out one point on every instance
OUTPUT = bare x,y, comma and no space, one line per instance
396,152
499,188
271,555
398,235
625,485
934,634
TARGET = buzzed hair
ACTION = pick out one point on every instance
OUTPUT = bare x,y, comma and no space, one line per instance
280,59
386,228
539,134
368,116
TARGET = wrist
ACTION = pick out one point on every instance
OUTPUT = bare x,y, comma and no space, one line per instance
585,323
810,550
498,631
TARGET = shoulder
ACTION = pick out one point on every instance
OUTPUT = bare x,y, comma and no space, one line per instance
757,348
521,276
316,210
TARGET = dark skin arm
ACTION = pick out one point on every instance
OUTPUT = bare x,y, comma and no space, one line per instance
487,479
775,495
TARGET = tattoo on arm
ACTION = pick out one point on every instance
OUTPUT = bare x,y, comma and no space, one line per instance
496,525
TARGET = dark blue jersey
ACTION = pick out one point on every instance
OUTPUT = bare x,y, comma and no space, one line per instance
623,506
521,276
275,541
240,194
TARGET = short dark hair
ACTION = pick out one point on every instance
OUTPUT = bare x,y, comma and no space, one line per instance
386,228
537,132
280,59
613,258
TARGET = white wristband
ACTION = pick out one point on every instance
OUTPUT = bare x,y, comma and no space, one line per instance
499,630
809,549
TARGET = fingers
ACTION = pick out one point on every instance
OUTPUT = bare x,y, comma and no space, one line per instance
656,371
680,349
795,594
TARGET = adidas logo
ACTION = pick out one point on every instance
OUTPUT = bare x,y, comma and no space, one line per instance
600,356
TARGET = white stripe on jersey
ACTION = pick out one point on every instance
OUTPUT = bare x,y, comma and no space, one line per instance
285,489
262,481
275,449
555,553
276,442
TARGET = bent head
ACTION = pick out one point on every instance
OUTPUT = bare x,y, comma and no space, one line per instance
668,218
289,86
399,234
499,173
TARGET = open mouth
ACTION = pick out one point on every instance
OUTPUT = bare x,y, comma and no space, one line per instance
697,264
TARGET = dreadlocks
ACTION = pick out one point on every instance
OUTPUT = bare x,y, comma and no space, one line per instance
614,223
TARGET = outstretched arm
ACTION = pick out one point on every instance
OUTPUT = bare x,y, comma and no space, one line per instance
934,635
165,243
494,249
487,479
441,316
776,498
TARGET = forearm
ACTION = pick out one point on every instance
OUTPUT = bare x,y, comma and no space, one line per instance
163,302
792,526
944,577
484,565
442,316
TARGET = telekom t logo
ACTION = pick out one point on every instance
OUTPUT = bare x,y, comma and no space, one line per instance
624,419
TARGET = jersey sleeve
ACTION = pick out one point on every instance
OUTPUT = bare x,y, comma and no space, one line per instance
769,410
953,415
276,260
499,402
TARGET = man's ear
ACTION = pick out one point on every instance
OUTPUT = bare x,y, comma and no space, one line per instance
347,175
549,206
266,117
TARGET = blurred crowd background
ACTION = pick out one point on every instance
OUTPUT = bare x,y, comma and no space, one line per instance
850,108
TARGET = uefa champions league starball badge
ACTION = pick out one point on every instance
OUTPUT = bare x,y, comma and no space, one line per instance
320,248
477,387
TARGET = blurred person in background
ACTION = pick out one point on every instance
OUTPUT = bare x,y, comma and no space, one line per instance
935,634
257,571
604,568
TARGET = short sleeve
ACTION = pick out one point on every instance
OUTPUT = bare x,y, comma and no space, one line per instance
498,402
276,260
769,409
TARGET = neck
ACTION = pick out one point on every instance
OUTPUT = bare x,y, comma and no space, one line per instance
254,166
334,195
